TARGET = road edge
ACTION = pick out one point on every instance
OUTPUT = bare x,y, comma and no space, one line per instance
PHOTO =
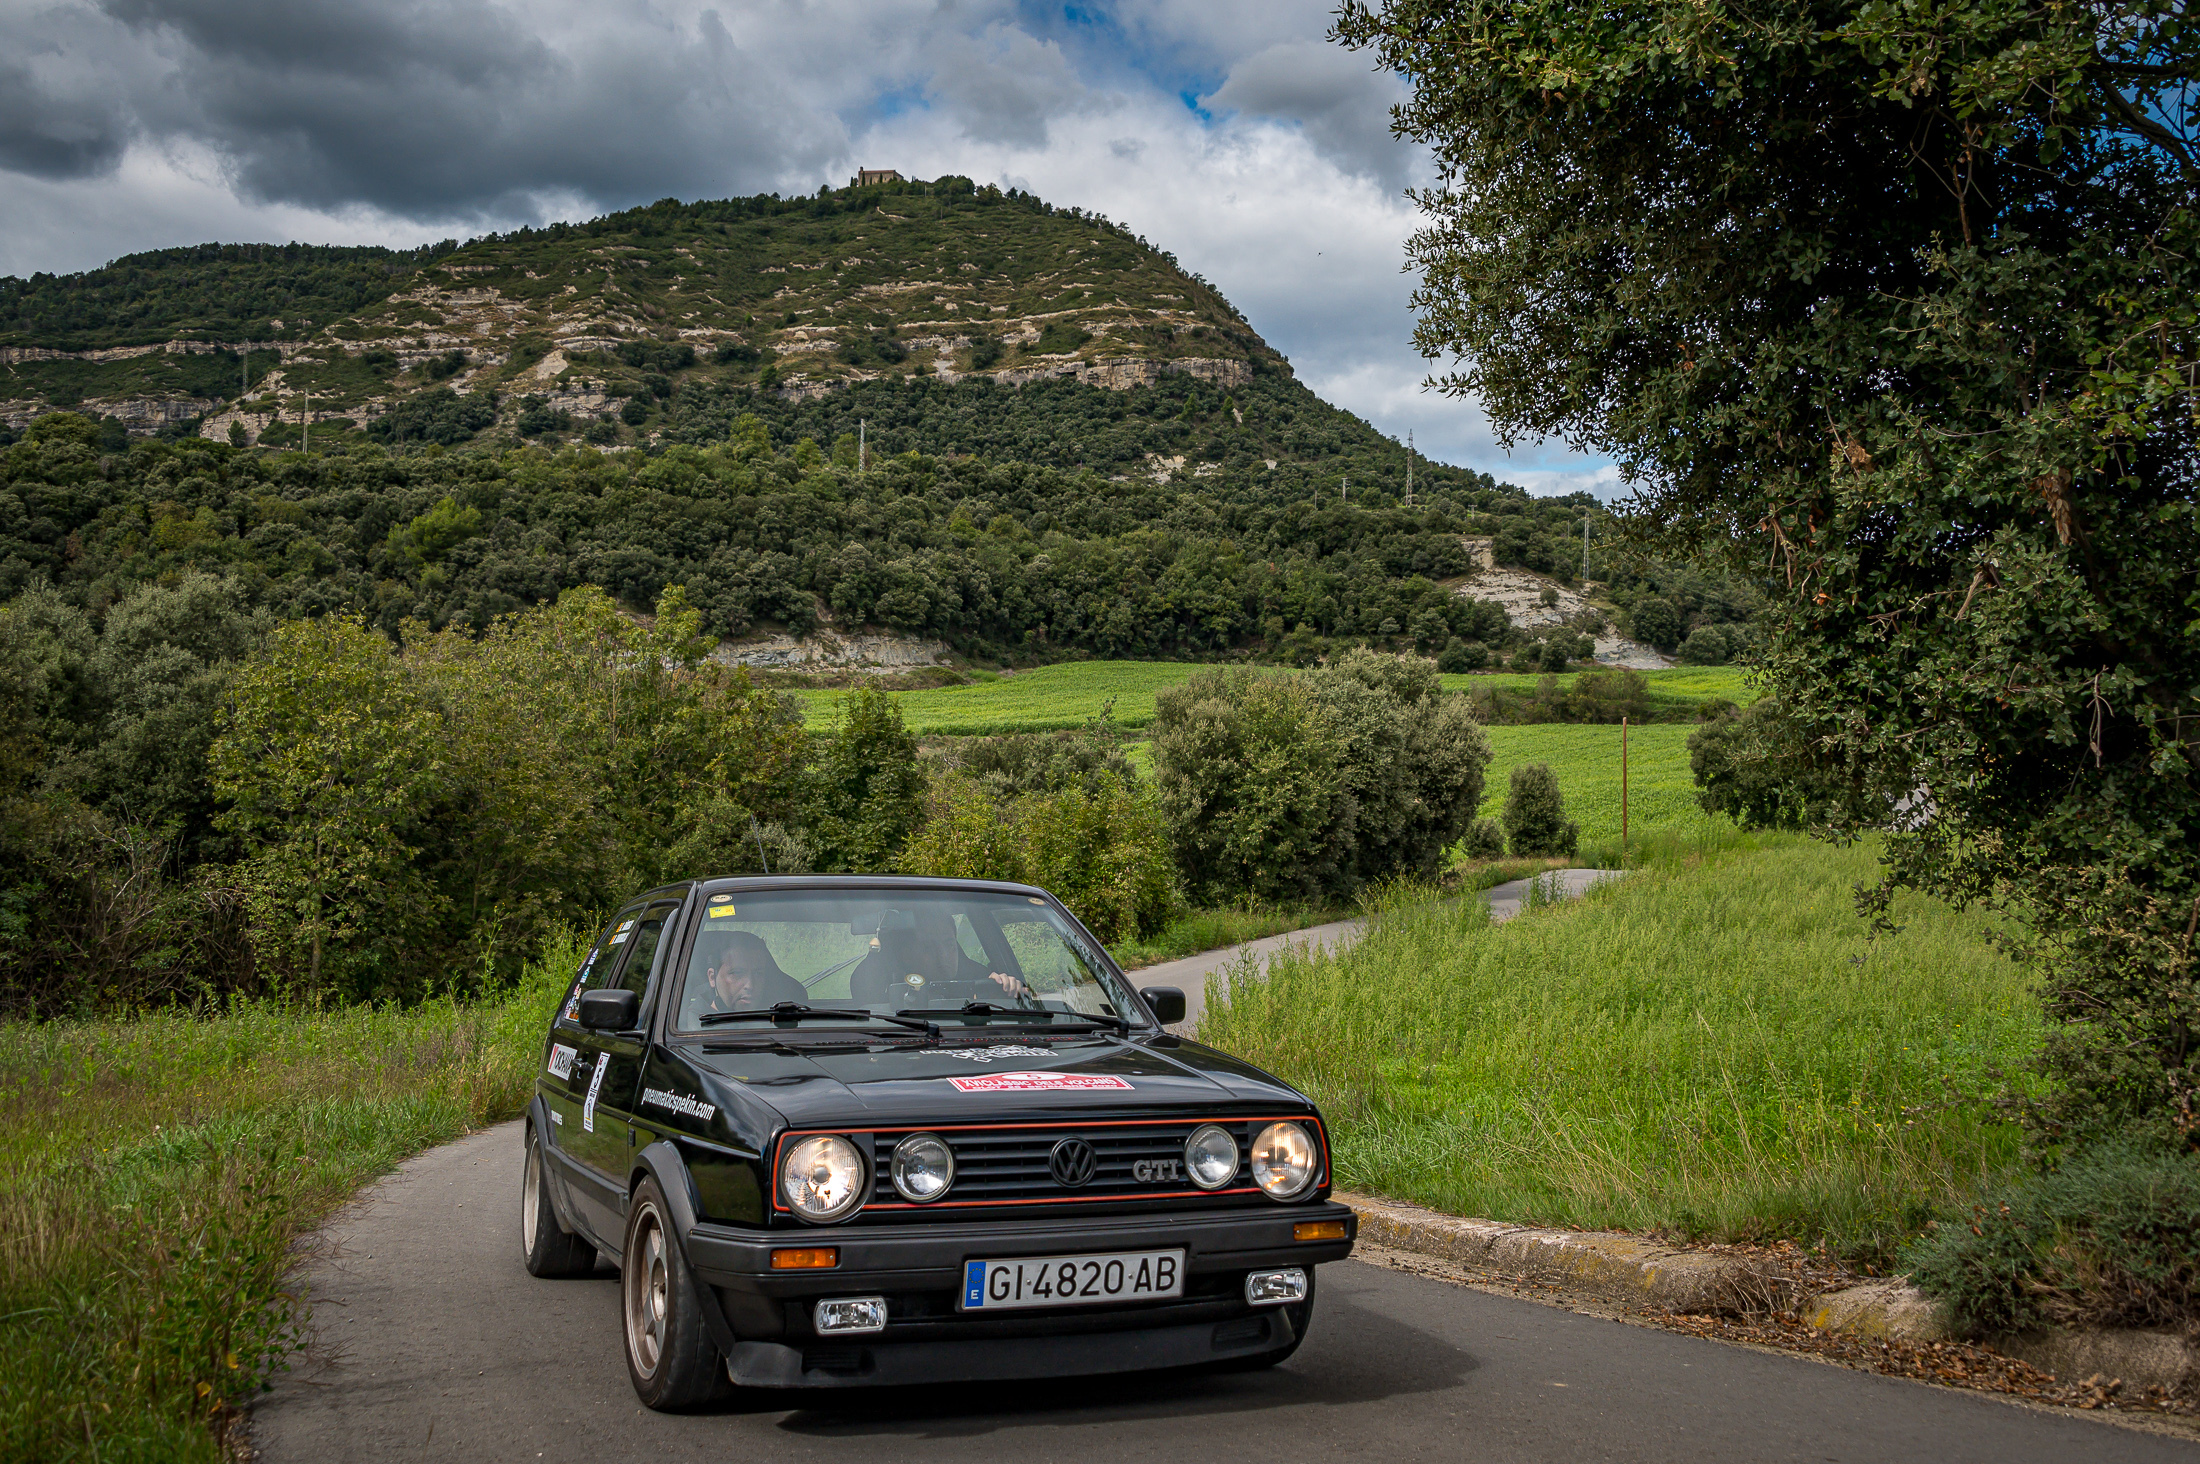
1632,1271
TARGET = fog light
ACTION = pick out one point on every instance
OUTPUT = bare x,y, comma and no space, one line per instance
861,1314
808,1258
1273,1288
1318,1230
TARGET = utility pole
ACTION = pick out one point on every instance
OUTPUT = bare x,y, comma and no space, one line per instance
1585,548
1409,471
305,432
1623,790
863,438
1344,494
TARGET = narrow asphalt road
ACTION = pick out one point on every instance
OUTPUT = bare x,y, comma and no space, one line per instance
1190,973
436,1345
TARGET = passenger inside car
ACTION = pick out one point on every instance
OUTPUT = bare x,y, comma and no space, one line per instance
737,973
919,962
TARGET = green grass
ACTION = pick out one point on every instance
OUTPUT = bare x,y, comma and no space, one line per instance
1661,792
1714,1046
1071,693
155,1172
1068,694
1678,690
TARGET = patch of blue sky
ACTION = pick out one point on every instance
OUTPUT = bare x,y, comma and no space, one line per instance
900,102
1102,49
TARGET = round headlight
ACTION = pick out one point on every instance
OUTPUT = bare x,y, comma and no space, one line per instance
1284,1160
1211,1156
923,1167
823,1177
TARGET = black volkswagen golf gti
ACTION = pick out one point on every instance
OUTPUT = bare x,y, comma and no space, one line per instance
853,1131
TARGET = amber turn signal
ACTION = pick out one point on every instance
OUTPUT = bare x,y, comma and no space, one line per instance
811,1258
1304,1230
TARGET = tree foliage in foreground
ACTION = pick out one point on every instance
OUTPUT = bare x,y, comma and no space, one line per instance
1900,303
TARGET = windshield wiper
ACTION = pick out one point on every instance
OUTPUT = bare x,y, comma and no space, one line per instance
995,1009
791,1011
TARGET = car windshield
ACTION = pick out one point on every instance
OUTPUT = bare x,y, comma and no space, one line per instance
882,952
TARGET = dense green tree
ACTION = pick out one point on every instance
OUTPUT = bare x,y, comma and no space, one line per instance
1909,317
867,791
1307,787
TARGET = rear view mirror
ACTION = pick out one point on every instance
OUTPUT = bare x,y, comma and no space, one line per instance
613,1010
1167,1002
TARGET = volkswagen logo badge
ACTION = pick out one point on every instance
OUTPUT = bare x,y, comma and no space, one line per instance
1072,1163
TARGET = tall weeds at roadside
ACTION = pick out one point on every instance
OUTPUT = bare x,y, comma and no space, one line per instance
156,1172
1714,1045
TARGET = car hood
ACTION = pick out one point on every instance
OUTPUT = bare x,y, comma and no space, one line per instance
1009,1080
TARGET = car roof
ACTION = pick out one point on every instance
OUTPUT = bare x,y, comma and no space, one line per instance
731,883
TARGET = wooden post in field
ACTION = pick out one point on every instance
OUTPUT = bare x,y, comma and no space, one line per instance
1623,788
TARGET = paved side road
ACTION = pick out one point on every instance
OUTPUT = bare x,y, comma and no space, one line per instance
440,1347
1190,973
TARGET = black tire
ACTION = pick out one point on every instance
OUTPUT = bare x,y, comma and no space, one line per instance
669,1357
1302,1321
547,1247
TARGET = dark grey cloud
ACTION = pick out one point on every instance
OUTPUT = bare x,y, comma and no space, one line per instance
419,108
1341,106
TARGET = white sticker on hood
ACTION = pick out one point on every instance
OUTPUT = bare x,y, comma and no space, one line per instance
994,1054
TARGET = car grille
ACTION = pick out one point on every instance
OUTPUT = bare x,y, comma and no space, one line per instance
1009,1165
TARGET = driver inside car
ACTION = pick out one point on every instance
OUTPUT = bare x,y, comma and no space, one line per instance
920,962
740,973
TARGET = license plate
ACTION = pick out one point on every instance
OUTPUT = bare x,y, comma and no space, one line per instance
1071,1280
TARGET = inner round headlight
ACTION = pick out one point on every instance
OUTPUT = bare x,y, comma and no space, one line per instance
1284,1160
823,1177
923,1167
1211,1156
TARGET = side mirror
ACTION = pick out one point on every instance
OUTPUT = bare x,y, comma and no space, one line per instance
613,1010
1167,1002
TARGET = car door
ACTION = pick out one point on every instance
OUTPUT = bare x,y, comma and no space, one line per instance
602,1139
570,1071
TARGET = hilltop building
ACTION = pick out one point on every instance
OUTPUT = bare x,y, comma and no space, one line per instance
867,176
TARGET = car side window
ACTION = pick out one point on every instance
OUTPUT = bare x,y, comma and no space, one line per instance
634,976
602,958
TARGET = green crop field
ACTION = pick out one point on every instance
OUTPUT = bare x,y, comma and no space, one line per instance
1684,687
1065,695
1071,693
1660,789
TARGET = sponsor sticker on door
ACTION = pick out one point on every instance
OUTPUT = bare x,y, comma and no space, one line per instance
561,1060
1038,1082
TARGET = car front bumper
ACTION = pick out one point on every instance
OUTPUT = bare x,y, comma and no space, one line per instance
918,1269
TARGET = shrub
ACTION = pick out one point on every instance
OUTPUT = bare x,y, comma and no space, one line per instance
1306,787
635,412
1485,839
1656,621
1102,850
2111,1238
1536,825
1045,762
1709,645
1462,656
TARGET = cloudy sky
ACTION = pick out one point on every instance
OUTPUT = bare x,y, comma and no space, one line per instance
1227,131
